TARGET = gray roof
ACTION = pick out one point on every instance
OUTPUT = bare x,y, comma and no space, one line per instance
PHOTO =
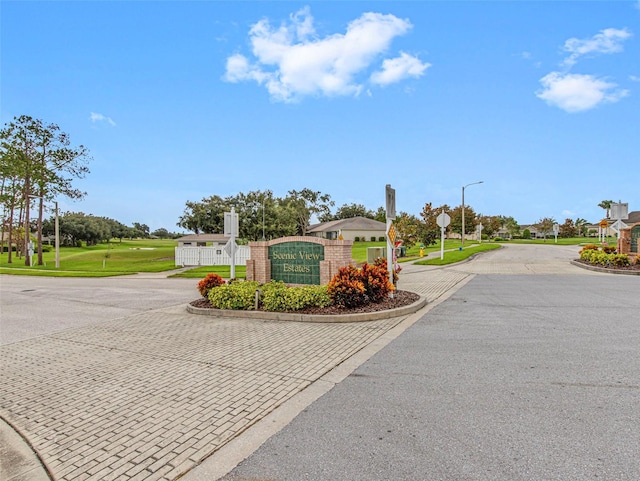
354,223
203,238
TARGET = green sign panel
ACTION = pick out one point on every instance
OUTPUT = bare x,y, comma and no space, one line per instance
296,262
635,235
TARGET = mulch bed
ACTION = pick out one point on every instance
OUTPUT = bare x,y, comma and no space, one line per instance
400,299
632,267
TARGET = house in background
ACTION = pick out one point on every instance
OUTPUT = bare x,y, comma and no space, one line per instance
361,227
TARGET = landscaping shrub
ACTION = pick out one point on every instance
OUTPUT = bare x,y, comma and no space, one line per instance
210,281
382,262
373,238
376,281
346,289
498,239
619,260
526,234
381,239
235,295
277,296
356,239
353,287
609,249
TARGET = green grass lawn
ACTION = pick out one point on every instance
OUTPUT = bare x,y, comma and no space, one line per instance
155,255
114,258
456,255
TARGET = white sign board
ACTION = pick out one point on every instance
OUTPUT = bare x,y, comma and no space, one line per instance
390,196
443,220
620,211
230,224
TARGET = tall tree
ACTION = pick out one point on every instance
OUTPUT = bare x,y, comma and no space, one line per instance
581,226
380,215
408,227
567,229
306,203
545,226
429,230
347,211
512,226
469,220
46,163
606,205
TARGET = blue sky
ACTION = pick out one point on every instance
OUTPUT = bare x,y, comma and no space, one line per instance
178,101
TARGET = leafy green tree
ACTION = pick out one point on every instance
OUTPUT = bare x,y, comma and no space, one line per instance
46,164
408,227
142,230
306,203
347,211
469,219
567,229
429,232
491,224
545,226
512,226
380,215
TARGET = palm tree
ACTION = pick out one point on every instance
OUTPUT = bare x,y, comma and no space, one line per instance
581,225
606,205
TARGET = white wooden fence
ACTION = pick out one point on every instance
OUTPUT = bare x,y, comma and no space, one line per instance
210,256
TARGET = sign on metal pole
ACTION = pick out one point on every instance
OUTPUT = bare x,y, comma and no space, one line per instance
620,211
390,202
556,230
231,230
443,220
231,223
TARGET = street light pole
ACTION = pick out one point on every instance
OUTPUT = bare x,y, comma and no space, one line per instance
57,234
464,187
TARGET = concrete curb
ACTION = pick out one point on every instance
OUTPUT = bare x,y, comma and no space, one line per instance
288,316
604,270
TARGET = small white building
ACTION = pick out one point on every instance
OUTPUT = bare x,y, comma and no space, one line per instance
208,250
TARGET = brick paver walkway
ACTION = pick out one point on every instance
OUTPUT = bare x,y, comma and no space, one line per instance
151,395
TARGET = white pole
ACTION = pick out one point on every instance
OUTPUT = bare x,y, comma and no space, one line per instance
233,243
57,234
442,240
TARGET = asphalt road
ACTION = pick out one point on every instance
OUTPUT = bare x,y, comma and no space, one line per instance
515,377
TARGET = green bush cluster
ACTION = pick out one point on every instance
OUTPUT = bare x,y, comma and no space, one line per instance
277,296
350,287
235,295
601,257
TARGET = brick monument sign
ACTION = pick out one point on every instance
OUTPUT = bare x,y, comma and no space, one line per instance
298,260
629,239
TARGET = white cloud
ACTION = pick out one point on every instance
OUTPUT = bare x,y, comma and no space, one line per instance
291,61
396,69
607,41
95,117
634,78
576,92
